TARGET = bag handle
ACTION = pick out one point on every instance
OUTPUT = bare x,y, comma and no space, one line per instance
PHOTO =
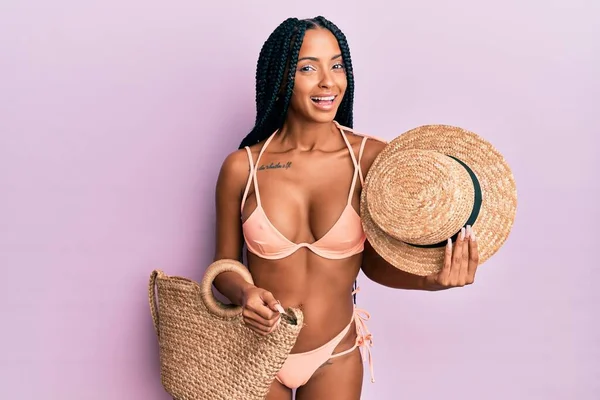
152,298
215,306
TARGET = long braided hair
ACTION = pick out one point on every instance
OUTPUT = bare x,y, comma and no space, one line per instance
275,73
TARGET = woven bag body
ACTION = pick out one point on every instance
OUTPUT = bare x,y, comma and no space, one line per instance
206,351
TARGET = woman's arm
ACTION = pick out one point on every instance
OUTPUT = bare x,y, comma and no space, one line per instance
228,197
373,266
460,260
380,271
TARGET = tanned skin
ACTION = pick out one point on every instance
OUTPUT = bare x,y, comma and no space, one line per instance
304,178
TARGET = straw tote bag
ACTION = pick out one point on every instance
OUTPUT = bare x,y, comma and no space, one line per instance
206,352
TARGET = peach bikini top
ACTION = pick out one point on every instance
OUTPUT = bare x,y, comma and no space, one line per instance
345,238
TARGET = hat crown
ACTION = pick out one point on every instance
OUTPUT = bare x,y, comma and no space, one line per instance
421,185
429,191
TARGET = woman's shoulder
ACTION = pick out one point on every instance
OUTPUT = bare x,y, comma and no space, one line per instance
235,168
372,146
239,161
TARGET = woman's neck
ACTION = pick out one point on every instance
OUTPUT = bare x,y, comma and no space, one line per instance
306,135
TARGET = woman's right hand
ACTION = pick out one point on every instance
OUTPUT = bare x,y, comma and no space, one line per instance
261,311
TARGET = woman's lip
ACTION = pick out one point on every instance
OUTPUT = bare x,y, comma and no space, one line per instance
324,105
331,97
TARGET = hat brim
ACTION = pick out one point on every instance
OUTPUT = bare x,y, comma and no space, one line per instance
499,197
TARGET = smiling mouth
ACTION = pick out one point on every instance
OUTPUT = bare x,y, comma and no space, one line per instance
323,100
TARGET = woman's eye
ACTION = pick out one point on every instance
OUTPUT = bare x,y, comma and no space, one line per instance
309,68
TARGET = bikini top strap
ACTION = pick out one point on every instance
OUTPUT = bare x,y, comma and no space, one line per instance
359,133
362,145
356,165
360,153
262,150
250,177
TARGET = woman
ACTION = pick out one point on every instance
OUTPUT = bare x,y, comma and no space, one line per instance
291,194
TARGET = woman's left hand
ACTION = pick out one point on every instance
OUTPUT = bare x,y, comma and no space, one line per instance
460,263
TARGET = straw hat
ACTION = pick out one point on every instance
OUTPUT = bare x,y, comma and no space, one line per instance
427,184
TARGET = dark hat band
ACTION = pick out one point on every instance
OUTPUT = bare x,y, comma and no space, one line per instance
474,212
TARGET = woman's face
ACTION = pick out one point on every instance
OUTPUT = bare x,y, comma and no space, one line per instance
320,80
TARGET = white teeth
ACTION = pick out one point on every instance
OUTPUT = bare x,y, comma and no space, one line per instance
329,98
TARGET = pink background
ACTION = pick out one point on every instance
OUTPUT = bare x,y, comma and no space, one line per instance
114,120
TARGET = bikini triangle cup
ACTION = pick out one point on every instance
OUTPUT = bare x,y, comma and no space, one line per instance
344,239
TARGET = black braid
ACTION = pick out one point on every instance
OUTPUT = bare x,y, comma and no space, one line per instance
280,54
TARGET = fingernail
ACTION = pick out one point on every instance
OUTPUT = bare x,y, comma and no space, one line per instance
279,308
468,235
462,233
450,243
